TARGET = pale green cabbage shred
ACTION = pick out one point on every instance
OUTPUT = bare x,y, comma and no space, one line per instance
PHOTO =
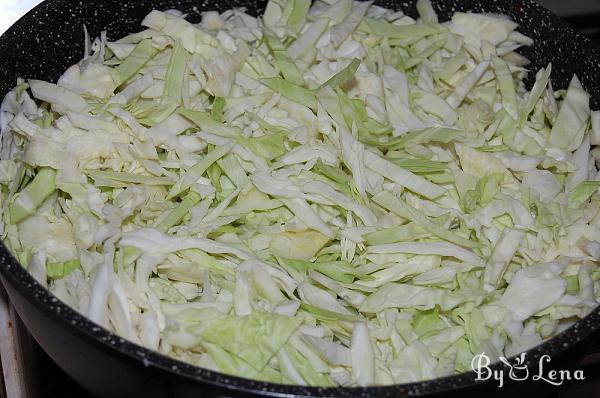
331,194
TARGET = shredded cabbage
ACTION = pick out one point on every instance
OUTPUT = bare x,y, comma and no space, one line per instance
332,194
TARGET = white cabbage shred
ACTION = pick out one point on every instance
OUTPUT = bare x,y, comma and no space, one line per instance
332,194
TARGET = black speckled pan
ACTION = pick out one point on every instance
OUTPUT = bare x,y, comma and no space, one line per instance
50,38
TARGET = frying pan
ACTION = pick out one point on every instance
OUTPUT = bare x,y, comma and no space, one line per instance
49,39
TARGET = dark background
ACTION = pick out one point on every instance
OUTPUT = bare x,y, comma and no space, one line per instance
582,14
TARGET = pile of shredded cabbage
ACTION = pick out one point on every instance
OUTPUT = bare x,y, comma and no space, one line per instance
335,194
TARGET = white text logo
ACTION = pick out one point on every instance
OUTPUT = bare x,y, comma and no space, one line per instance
519,371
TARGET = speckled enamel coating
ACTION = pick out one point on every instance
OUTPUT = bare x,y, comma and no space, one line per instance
50,38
